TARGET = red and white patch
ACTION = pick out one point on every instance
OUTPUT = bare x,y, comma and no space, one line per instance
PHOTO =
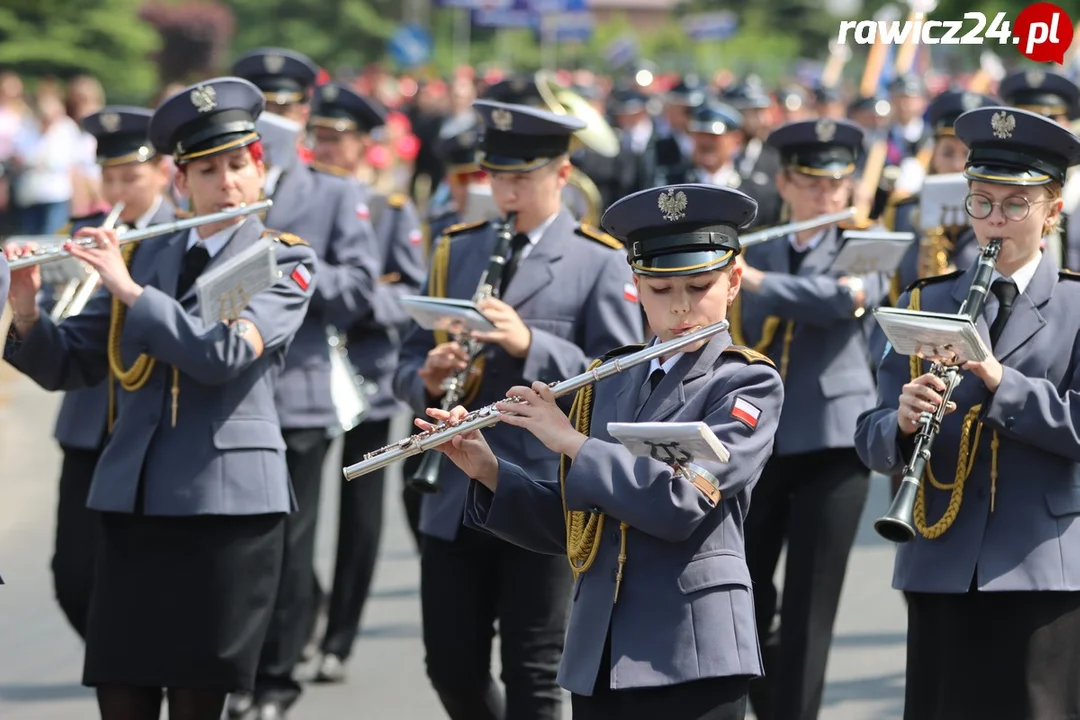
746,412
416,237
301,277
363,211
630,292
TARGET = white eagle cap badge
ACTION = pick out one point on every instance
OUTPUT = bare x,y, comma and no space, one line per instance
825,129
110,122
502,118
330,93
273,63
204,98
672,204
969,101
1003,124
1035,78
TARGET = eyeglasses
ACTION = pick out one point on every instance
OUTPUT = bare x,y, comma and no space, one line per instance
1014,208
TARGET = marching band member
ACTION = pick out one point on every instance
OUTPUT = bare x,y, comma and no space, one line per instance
134,174
330,212
717,134
993,583
795,309
5,281
458,142
959,249
192,486
342,119
1056,97
565,298
662,623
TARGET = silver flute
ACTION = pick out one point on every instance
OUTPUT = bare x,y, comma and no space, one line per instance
55,252
760,236
489,415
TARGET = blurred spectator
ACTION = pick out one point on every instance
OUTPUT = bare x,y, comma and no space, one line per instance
46,154
14,113
85,96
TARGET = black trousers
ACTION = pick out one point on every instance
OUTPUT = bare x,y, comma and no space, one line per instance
813,503
467,585
721,698
291,623
75,547
360,521
993,655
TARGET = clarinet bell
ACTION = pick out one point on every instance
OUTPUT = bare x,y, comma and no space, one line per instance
426,478
898,523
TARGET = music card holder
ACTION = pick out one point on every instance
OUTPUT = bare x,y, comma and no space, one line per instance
942,200
682,446
447,314
867,252
225,291
280,136
63,272
938,337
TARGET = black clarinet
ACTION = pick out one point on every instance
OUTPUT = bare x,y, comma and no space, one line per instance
426,477
898,524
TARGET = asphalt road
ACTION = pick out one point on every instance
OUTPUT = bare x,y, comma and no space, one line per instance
41,658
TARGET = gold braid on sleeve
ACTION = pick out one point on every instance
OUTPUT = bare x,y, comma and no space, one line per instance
584,529
134,378
768,334
437,277
965,461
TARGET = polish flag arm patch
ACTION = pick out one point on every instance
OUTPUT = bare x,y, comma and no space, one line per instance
746,412
630,292
363,211
301,276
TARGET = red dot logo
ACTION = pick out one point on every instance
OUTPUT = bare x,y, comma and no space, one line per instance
1043,32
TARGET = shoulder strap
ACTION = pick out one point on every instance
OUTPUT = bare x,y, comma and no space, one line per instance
285,238
748,354
588,231
397,200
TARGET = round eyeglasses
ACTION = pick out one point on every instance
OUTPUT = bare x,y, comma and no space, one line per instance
1014,207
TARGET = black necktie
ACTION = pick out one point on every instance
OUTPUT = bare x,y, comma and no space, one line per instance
655,379
195,262
1005,291
517,247
795,258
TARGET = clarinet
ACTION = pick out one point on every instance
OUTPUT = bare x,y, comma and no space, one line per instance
426,477
898,524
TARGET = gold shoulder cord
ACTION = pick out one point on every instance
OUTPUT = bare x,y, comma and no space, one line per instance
768,333
135,377
583,528
964,462
440,267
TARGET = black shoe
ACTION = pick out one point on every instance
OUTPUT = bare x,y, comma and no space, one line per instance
331,670
270,711
239,705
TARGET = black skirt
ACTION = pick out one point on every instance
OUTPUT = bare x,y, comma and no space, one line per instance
182,602
982,655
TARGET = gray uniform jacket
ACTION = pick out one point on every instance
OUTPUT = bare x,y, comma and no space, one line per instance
375,341
5,281
225,455
329,213
1031,540
83,415
571,293
827,375
685,609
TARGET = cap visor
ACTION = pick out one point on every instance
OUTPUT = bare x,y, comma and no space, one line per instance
684,263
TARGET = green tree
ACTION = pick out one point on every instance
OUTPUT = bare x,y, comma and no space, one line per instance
103,38
333,33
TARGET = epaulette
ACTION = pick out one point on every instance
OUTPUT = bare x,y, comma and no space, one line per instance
397,200
624,350
463,227
1068,274
748,354
599,235
285,238
329,169
923,282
